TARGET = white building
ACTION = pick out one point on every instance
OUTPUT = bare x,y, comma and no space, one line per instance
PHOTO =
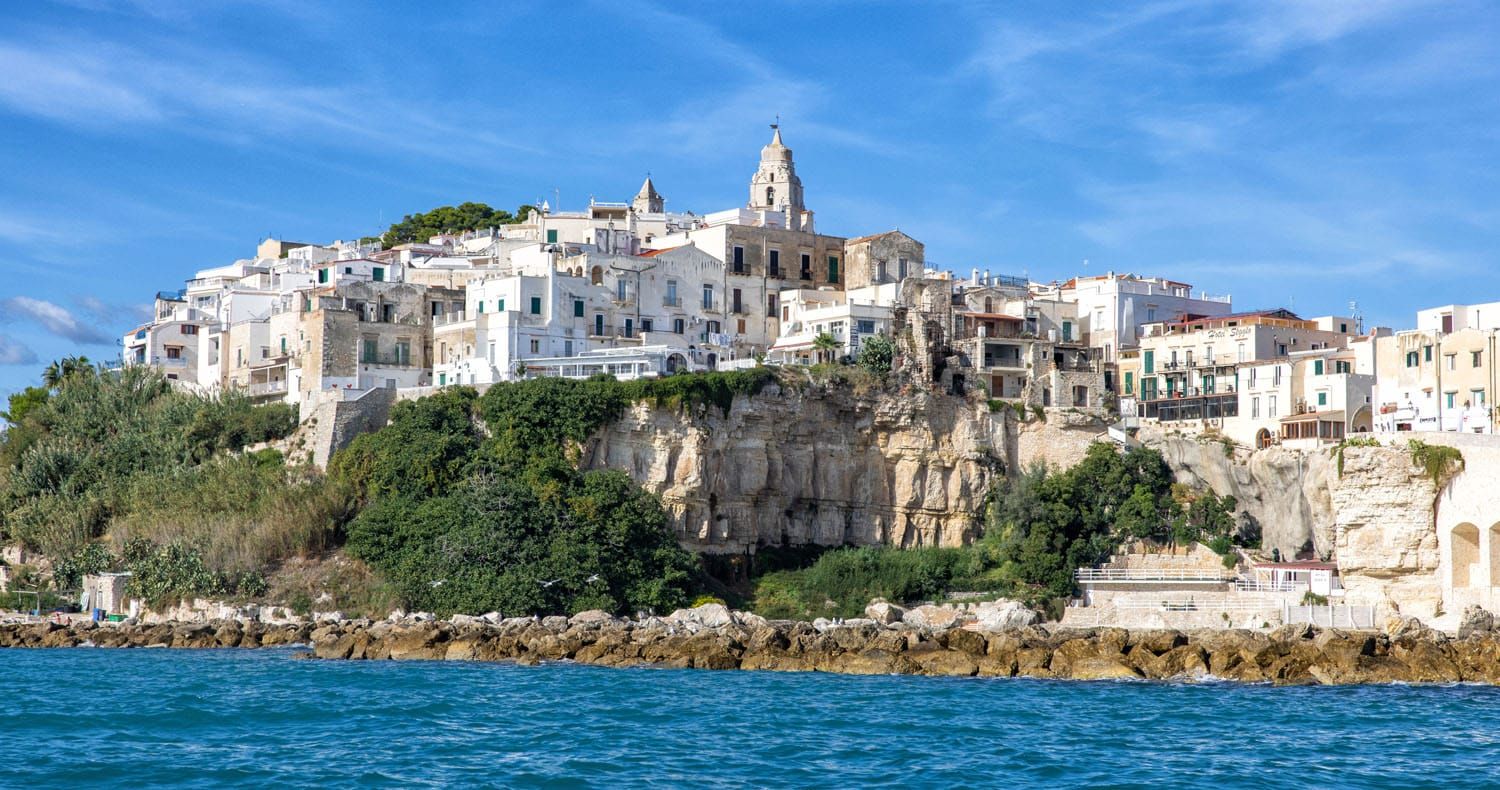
1113,308
849,317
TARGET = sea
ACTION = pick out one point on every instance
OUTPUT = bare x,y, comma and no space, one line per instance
262,718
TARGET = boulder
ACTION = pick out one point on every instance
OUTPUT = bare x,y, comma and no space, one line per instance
750,620
884,613
709,615
591,617
933,618
1003,615
555,623
1475,621
328,617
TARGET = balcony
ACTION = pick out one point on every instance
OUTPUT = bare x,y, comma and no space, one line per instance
671,301
267,388
387,360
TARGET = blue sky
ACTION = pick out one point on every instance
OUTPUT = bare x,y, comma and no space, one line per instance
1299,153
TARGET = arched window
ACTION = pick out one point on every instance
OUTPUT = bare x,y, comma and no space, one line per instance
597,275
770,196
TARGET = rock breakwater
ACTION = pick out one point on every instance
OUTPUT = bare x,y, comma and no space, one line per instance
733,640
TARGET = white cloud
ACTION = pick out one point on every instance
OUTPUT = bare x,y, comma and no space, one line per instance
13,353
54,318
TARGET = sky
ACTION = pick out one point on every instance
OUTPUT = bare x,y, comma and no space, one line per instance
1299,154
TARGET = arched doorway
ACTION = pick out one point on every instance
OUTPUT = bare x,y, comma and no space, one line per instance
1262,439
676,362
1463,551
597,275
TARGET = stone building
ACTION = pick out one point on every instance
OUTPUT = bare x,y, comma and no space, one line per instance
883,258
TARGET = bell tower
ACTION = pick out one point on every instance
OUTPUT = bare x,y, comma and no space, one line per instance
775,185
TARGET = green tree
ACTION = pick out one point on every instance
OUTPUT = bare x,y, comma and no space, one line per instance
23,403
449,219
61,369
826,345
876,354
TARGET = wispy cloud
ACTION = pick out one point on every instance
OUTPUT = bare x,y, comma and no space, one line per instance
53,318
13,353
113,314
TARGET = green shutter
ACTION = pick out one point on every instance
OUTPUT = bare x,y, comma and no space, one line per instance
1150,364
1317,367
1322,399
322,275
833,269
577,308
551,237
379,274
536,305
1129,383
500,306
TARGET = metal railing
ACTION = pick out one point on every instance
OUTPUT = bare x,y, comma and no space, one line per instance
1151,575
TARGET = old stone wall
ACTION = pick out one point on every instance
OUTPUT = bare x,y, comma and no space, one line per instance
813,465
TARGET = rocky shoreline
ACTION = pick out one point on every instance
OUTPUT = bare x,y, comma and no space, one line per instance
712,637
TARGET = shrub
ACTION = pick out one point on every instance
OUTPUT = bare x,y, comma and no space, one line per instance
843,581
1440,462
876,354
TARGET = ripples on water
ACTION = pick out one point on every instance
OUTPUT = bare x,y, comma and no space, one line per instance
255,718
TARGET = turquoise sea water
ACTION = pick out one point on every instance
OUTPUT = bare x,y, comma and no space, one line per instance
131,718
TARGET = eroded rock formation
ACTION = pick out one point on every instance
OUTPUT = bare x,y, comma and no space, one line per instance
815,464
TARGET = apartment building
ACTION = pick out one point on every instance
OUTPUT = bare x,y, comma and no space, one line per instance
1432,380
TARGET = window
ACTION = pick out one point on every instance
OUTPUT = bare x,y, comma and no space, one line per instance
596,275
1426,353
1340,366
378,274
499,305
864,326
833,268
174,352
737,308
1449,398
1317,367
536,305
1451,360
348,270
671,300
1129,382
1271,406
367,354
1276,375
621,290
481,307
806,266
739,260
708,297
774,266
880,271
599,324
1322,399
552,236
1068,333
901,268
577,308
322,275
1476,397
403,352
713,327
1411,359
1344,328
1150,314
1475,358
740,326
1148,364
1281,350
283,344
192,329
1208,354
1252,377
567,348
678,326
536,346
1240,353
771,305
492,352
1255,408
647,325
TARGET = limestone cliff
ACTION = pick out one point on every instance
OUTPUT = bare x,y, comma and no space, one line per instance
1286,492
813,464
1386,538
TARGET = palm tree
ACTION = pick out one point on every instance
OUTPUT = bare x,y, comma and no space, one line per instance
61,369
826,345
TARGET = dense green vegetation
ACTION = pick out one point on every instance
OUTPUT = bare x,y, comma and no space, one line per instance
841,582
450,219
876,354
476,504
124,458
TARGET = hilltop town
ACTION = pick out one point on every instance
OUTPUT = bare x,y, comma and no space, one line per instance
1255,411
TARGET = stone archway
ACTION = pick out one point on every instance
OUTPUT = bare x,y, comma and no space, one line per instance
1494,558
1463,555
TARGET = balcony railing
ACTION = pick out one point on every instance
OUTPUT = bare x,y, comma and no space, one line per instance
671,301
387,360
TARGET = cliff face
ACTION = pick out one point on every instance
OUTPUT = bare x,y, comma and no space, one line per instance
1288,493
814,465
1386,537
